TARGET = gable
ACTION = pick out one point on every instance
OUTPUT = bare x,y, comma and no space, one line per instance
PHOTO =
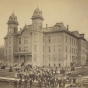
25,32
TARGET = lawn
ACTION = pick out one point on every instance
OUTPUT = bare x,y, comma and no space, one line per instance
6,73
81,71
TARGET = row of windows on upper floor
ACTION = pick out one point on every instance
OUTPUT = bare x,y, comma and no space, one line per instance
83,52
54,49
57,58
25,49
19,41
71,50
49,48
25,40
19,49
71,41
58,38
74,42
12,30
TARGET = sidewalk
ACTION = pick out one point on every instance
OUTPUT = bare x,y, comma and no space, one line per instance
8,79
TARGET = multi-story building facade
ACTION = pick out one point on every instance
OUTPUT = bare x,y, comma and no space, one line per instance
38,46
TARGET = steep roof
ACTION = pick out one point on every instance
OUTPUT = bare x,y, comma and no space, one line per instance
37,14
28,27
57,27
12,19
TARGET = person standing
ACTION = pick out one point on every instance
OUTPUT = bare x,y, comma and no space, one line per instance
30,82
15,83
25,83
16,75
20,82
40,83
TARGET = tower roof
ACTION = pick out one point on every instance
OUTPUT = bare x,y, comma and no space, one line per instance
12,19
37,14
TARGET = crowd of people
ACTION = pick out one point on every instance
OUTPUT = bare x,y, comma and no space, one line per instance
43,77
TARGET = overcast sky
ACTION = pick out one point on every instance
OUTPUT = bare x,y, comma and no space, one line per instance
71,12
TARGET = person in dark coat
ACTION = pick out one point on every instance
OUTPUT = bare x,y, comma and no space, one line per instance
25,83
30,82
59,82
40,83
20,82
45,83
15,84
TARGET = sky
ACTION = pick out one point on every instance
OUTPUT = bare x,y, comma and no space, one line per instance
71,12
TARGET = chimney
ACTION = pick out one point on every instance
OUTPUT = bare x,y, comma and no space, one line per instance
46,26
67,27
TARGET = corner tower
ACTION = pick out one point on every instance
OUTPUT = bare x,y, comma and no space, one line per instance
37,38
12,24
11,39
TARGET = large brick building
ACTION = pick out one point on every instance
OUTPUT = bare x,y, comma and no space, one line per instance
50,46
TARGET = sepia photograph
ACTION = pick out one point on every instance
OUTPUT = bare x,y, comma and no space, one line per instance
43,43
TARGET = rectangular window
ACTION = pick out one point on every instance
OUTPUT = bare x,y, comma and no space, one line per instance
43,48
10,59
66,48
66,39
6,51
19,40
9,40
53,48
25,40
70,40
19,49
54,58
59,50
9,50
49,39
74,51
43,57
54,38
59,38
59,57
70,49
25,49
35,37
49,57
35,48
74,42
70,58
35,57
43,39
6,42
49,48
66,57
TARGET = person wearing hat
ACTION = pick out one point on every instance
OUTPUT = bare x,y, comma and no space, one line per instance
15,83
30,82
20,82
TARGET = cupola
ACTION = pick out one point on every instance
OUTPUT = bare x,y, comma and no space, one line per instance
37,14
12,19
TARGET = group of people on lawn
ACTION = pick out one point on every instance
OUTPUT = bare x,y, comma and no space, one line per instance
43,77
